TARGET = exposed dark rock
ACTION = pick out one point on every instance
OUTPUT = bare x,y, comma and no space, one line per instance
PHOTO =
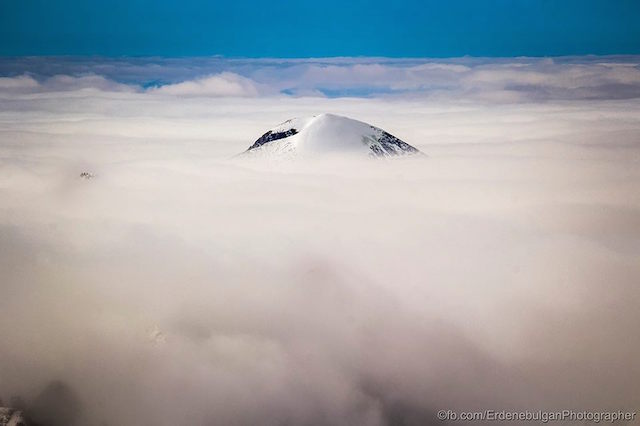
391,143
272,136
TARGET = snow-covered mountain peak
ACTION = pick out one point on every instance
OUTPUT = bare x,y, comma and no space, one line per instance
328,134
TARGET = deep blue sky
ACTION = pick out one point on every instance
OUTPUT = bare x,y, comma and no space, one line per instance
281,28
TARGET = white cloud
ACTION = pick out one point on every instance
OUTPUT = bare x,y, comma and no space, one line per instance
19,83
225,84
508,80
95,82
501,272
25,84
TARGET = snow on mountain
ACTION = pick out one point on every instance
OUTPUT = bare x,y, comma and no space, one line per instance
328,134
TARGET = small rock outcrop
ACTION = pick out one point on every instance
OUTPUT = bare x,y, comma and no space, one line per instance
12,417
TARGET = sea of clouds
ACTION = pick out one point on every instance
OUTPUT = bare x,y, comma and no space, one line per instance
182,285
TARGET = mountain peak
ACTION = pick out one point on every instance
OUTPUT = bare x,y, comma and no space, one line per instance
328,134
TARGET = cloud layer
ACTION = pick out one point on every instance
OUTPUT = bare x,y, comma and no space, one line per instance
498,80
182,286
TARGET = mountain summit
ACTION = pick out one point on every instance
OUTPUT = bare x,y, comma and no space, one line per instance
328,134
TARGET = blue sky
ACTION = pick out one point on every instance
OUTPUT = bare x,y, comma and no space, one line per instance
282,28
